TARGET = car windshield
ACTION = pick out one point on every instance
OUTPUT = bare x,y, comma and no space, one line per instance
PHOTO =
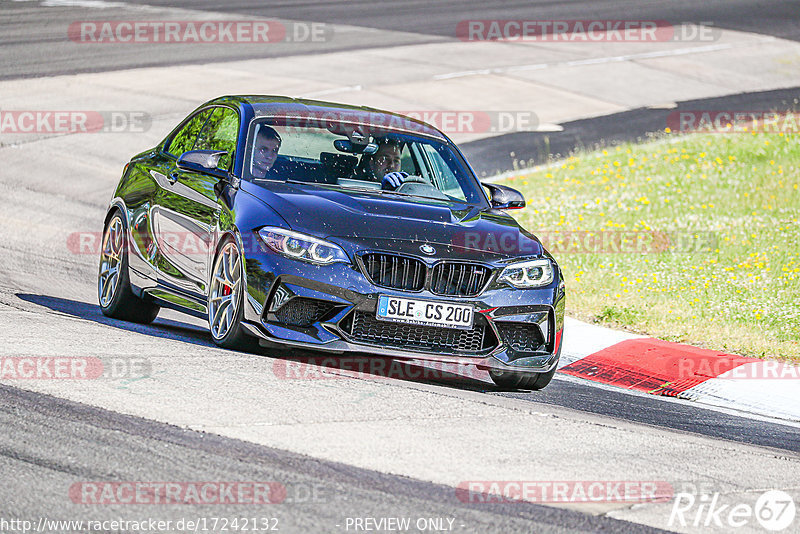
355,158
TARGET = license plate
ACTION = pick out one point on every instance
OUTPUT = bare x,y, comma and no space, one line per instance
425,312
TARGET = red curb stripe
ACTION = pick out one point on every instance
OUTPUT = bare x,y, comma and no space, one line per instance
673,389
654,366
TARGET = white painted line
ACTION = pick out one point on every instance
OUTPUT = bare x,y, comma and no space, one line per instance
593,61
650,55
343,89
90,4
549,127
479,72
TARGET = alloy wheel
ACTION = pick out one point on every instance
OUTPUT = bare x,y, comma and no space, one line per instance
226,284
110,261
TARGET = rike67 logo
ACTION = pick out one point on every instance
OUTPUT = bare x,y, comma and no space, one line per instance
774,511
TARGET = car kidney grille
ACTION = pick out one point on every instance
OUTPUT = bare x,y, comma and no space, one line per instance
458,279
365,328
396,272
522,337
452,279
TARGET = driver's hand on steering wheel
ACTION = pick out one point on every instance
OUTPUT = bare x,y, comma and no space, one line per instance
393,180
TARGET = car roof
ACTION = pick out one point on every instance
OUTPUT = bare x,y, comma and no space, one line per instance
271,105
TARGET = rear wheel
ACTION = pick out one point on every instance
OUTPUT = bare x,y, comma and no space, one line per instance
225,300
113,280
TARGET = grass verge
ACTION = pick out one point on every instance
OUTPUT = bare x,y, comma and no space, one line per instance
692,239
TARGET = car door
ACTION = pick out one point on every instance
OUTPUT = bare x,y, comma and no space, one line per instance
187,210
153,173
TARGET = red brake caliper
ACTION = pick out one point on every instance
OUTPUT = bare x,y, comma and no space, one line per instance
226,291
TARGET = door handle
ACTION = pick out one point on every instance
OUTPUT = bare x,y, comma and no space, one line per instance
173,177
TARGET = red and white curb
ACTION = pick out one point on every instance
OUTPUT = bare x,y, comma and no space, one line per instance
760,387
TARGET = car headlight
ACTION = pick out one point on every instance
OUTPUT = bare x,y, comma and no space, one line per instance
528,274
301,246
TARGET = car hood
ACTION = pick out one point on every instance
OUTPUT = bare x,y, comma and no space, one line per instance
401,224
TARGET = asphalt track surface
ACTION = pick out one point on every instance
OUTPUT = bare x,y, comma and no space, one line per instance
49,442
439,18
96,444
30,39
564,391
29,34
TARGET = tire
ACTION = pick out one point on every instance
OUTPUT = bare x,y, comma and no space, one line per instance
540,380
114,292
510,380
226,300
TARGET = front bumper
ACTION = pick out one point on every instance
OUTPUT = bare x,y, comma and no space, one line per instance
511,318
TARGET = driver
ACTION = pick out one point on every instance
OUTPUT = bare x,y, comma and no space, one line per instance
383,165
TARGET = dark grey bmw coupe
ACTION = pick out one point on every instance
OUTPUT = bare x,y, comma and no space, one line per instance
308,224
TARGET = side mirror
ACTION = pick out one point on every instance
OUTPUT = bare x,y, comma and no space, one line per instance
203,161
504,197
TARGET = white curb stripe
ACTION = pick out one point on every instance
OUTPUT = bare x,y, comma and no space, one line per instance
583,339
771,397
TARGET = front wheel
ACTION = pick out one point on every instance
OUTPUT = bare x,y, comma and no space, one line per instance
517,380
508,380
225,300
113,280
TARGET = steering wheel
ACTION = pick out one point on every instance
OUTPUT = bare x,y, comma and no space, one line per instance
414,179
417,185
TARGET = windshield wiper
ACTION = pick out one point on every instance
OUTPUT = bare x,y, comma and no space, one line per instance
375,191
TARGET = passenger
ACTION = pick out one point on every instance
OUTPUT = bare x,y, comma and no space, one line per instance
265,151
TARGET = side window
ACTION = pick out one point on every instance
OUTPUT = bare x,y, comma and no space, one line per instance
419,164
186,136
443,175
407,163
220,133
